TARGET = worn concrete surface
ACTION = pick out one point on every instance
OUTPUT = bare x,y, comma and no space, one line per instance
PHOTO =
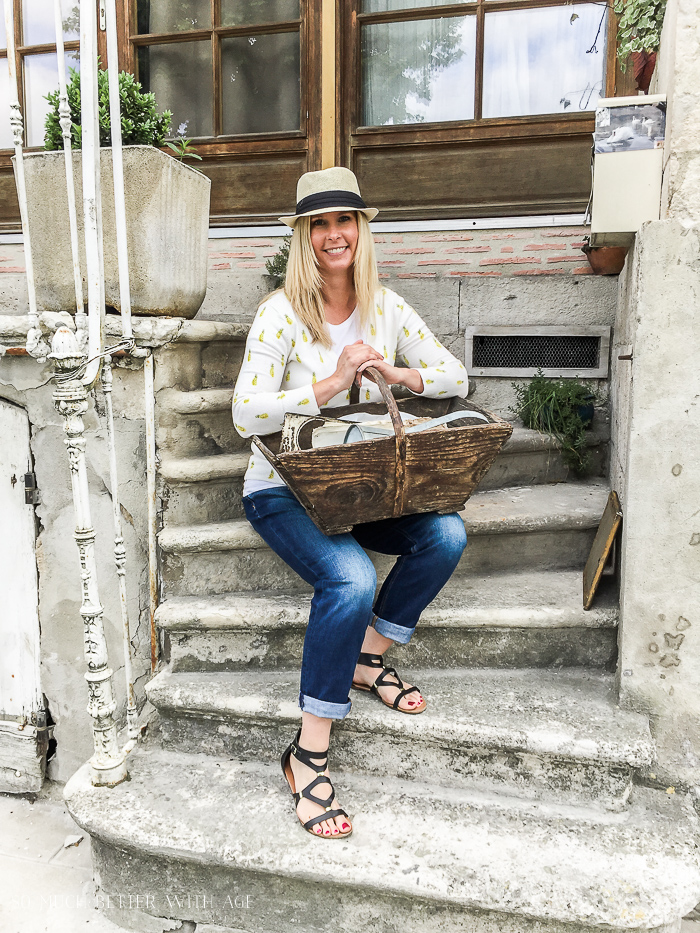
677,76
167,218
552,736
660,652
27,383
637,870
530,619
46,887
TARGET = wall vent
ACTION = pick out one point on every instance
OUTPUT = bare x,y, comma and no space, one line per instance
580,352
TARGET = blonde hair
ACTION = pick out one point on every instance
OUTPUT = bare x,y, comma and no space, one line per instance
304,284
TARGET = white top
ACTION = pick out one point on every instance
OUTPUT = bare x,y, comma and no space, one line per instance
281,365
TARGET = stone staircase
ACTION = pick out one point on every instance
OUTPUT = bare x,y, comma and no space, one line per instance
513,804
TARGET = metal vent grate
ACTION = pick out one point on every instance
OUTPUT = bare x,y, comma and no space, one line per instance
528,351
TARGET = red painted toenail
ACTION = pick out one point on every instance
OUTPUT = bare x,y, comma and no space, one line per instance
335,832
346,826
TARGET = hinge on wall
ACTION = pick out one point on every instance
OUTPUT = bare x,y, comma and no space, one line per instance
103,16
31,493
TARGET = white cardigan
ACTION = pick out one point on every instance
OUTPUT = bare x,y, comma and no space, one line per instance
281,365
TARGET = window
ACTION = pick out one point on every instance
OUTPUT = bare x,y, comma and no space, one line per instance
482,107
238,76
35,45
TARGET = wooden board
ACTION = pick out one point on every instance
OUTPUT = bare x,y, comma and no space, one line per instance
605,536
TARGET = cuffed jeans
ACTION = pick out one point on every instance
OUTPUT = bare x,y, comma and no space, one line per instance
428,547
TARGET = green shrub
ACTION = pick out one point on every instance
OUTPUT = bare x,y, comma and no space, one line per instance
552,406
277,265
141,124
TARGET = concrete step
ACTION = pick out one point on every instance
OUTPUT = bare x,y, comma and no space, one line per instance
196,425
529,619
421,859
551,736
520,528
202,489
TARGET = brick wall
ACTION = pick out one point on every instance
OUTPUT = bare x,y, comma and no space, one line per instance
464,254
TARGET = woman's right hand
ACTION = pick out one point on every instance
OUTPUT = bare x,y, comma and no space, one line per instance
352,357
350,360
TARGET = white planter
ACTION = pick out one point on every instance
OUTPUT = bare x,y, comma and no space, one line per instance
167,217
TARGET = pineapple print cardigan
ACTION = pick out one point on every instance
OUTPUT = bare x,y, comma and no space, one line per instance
281,365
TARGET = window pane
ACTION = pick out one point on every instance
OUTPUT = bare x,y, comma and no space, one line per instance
38,23
41,78
260,80
6,141
172,15
249,12
544,61
418,72
180,75
384,6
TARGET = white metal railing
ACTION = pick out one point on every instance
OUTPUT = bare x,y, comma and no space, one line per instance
80,359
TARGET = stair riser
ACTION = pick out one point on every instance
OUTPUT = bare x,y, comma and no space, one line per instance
433,647
277,904
206,434
533,468
209,572
211,433
519,774
198,503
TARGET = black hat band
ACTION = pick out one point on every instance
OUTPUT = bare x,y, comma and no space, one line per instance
330,199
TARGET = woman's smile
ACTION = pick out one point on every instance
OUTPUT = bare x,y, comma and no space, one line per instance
334,240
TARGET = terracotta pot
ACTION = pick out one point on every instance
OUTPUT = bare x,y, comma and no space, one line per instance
606,260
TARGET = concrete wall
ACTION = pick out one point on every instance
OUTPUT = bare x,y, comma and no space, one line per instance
660,478
454,280
655,458
25,382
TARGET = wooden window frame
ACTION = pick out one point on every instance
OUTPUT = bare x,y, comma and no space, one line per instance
220,145
355,138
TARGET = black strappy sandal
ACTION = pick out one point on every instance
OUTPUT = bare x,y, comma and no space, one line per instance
304,756
377,661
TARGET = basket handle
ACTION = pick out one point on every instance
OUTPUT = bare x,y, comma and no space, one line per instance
400,461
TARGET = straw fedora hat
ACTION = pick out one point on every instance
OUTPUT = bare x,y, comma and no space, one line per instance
332,189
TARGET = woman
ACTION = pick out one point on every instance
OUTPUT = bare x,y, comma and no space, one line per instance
307,345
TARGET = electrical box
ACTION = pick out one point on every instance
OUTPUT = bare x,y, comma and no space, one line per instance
627,166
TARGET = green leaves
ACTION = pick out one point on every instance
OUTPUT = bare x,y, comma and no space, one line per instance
277,266
556,407
141,123
639,29
183,149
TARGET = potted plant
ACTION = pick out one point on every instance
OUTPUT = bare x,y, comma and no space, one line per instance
167,209
639,36
563,408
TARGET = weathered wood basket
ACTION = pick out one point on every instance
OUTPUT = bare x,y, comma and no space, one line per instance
430,471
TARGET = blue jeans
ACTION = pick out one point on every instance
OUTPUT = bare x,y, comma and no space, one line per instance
428,546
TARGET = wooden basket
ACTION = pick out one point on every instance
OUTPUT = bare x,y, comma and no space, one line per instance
429,471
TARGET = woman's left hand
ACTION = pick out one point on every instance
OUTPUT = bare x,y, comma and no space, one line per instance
393,375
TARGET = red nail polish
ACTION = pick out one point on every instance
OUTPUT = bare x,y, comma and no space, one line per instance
346,826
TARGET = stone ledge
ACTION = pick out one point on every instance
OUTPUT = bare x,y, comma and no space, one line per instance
565,714
534,599
190,823
557,507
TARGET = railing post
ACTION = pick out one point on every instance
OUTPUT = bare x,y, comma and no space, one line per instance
108,763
